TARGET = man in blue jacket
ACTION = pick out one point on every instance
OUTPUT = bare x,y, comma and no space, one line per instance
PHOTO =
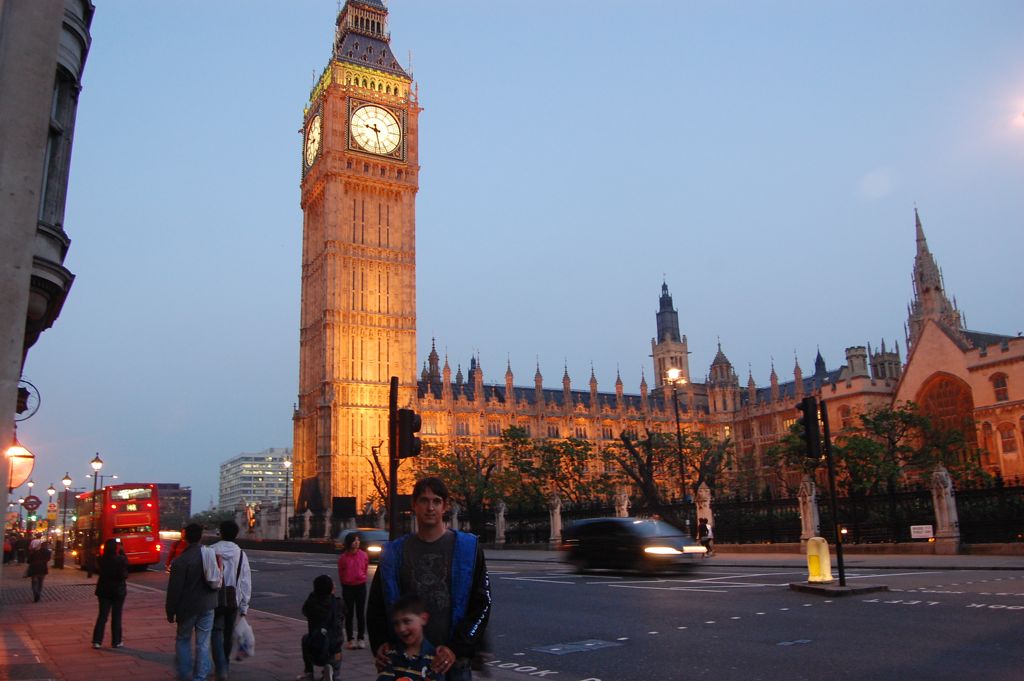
447,570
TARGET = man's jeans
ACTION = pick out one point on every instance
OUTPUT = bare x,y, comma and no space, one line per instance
223,633
201,624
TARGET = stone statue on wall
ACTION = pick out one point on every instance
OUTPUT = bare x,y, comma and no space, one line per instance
947,522
499,523
555,511
621,503
809,519
704,504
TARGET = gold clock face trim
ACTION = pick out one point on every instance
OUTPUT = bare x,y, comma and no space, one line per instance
313,140
375,129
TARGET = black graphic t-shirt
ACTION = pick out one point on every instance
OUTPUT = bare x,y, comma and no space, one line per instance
426,572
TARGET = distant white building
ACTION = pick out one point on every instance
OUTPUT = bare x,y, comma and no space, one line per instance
252,478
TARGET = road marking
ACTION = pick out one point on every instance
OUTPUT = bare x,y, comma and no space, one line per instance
536,579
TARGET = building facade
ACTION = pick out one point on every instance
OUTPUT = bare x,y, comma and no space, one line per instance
43,48
175,505
358,325
250,479
360,174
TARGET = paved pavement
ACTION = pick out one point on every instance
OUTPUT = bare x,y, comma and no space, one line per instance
50,640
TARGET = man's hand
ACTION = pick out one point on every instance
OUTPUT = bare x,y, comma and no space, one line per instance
381,658
444,658
170,618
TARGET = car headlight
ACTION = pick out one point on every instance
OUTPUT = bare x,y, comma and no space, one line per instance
694,549
662,551
373,549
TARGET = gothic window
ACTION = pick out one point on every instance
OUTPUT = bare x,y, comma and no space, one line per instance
387,90
552,430
999,383
747,431
581,432
1008,438
846,417
373,85
949,403
987,441
365,83
461,427
493,428
606,432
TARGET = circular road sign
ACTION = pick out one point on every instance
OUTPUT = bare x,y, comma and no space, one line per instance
32,503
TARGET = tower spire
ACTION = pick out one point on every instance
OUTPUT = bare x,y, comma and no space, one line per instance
930,301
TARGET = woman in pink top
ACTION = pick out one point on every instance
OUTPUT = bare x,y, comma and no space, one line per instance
353,566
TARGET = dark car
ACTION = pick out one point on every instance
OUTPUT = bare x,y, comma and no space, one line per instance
628,544
371,540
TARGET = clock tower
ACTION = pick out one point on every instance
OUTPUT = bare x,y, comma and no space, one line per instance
360,173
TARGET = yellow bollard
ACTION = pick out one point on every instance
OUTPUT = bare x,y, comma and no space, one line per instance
819,566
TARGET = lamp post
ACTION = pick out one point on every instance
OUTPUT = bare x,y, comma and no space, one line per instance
287,493
674,376
96,464
58,559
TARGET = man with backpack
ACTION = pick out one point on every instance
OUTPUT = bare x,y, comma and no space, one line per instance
191,598
233,597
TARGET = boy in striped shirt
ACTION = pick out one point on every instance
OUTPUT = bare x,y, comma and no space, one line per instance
412,660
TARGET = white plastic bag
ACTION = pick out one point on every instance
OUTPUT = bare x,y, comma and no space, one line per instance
243,641
211,569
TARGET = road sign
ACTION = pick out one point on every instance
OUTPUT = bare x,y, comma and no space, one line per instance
921,532
51,511
32,503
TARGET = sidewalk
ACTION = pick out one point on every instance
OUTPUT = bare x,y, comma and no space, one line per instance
52,639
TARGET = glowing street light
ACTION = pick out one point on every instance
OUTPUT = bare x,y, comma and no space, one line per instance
675,377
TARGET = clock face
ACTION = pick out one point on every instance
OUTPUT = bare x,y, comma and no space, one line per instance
312,140
375,129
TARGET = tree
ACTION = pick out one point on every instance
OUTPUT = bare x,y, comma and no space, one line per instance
211,520
562,467
654,466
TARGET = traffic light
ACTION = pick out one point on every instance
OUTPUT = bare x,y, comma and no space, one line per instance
810,432
409,423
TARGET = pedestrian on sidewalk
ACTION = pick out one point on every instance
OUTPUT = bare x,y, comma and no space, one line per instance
353,568
706,536
233,597
111,589
321,646
447,570
190,603
38,566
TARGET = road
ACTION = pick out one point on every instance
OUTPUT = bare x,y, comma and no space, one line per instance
724,623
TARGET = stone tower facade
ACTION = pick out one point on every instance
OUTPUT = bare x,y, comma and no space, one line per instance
669,347
930,301
360,175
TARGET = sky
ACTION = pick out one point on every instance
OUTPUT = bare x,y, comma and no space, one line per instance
762,158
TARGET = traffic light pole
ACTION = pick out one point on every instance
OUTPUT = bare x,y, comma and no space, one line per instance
393,459
832,494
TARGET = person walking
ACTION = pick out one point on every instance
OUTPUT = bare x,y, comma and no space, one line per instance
353,568
111,589
190,602
232,599
705,535
447,570
38,567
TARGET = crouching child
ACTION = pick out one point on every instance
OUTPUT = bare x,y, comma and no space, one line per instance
321,647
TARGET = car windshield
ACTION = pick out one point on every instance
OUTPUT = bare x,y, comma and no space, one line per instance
656,528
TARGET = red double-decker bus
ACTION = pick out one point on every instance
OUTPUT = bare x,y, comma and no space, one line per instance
129,512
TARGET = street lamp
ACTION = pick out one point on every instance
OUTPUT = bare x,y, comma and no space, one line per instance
20,462
97,464
58,559
287,493
675,378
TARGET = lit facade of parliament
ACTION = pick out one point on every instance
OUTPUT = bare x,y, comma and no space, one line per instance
360,170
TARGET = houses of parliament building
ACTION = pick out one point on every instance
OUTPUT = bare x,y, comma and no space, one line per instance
360,175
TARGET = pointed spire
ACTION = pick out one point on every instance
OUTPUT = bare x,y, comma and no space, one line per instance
618,378
643,380
458,375
508,369
537,376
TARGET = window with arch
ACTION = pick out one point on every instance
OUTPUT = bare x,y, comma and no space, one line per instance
845,417
387,90
552,430
1001,387
581,432
947,400
1008,438
365,83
